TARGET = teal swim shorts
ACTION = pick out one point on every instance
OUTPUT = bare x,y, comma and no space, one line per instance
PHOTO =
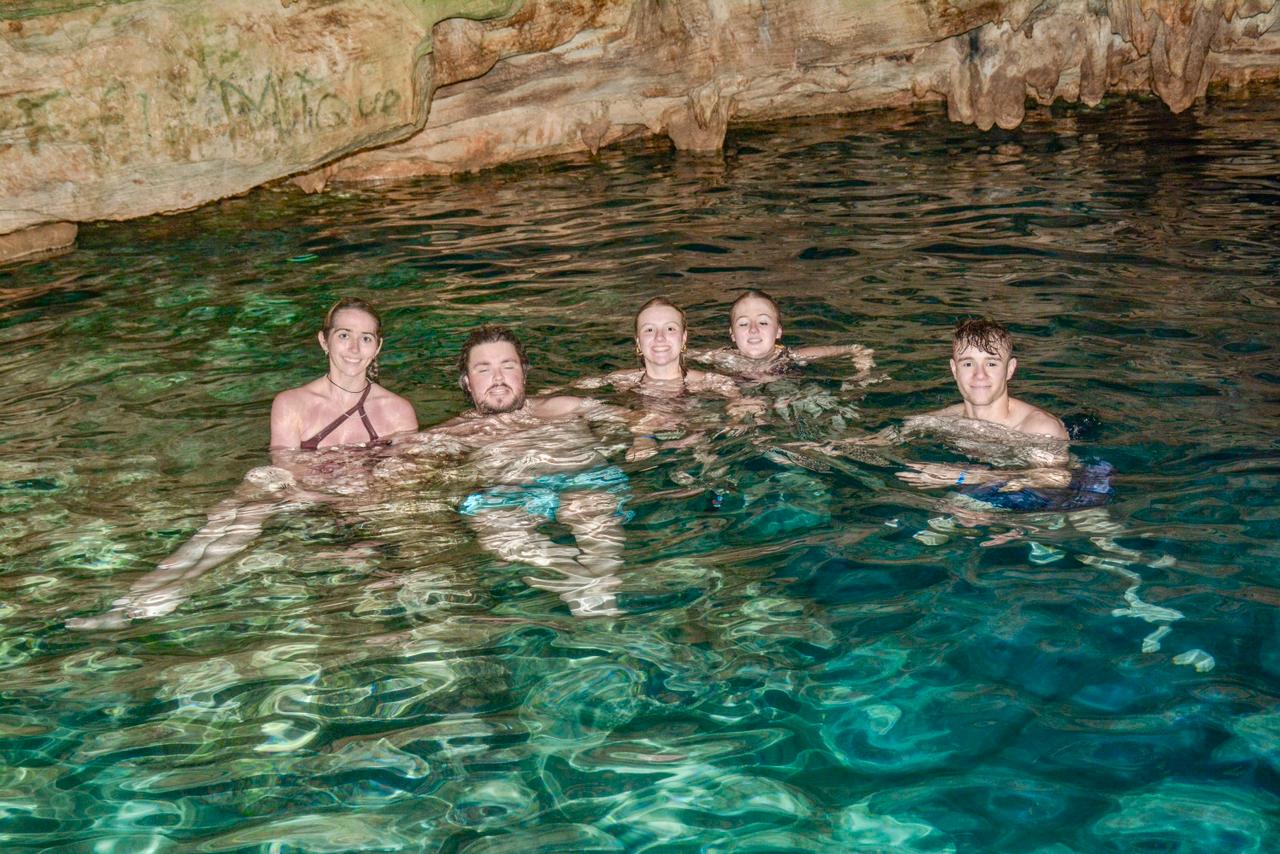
541,496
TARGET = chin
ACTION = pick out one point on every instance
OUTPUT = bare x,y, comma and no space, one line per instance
510,406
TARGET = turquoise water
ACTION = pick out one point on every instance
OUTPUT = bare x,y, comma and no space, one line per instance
815,658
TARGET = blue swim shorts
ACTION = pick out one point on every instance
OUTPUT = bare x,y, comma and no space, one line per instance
1090,487
541,496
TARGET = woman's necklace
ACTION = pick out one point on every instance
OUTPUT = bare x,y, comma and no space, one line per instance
347,390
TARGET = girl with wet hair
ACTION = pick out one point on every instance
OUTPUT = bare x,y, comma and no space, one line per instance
755,326
667,384
662,342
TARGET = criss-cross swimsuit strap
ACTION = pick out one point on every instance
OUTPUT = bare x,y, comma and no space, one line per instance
314,442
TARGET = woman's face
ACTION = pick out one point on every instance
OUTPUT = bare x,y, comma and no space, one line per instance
352,342
755,328
660,335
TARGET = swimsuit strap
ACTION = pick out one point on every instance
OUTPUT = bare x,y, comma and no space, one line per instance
314,442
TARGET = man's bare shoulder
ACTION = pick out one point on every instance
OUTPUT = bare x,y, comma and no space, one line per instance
1036,421
955,410
556,406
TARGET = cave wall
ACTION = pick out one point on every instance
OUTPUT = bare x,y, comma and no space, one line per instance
117,110
688,69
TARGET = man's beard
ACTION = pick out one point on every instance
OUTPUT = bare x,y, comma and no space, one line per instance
485,408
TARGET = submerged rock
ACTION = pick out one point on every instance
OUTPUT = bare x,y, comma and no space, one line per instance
125,109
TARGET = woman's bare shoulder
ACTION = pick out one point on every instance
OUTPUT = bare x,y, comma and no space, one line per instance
397,409
296,396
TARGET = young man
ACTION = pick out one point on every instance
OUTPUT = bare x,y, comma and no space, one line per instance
988,423
982,363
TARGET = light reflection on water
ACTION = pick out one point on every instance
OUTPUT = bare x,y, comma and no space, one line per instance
823,661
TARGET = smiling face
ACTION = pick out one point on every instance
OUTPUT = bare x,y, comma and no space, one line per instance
660,335
755,327
495,377
982,376
352,342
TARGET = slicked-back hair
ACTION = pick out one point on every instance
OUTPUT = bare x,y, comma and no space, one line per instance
987,335
666,303
755,294
490,333
371,372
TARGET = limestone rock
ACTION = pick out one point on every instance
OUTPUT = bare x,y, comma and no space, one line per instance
38,241
120,109
110,111
687,69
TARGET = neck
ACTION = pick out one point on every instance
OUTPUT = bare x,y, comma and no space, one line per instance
346,382
997,411
766,358
669,371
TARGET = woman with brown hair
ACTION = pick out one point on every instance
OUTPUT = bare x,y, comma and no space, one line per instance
346,406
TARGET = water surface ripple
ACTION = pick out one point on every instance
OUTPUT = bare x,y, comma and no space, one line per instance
815,658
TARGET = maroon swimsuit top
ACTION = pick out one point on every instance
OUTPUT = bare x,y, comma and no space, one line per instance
314,442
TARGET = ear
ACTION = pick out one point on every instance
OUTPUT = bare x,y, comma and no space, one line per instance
952,362
324,345
1008,373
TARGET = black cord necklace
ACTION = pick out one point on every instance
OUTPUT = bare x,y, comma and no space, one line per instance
347,390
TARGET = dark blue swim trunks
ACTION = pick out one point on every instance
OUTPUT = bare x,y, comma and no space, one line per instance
1090,487
541,496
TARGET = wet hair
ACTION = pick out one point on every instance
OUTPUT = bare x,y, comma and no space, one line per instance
371,372
755,294
664,303
490,333
661,301
987,335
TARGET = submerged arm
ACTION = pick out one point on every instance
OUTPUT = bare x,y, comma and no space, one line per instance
937,476
232,525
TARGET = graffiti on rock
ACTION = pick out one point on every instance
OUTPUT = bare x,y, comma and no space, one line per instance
294,104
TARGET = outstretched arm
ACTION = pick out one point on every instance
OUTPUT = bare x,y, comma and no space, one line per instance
939,476
720,358
623,380
862,357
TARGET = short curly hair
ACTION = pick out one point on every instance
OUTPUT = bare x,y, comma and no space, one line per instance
986,335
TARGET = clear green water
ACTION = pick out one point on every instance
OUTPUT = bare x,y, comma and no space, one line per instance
818,666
